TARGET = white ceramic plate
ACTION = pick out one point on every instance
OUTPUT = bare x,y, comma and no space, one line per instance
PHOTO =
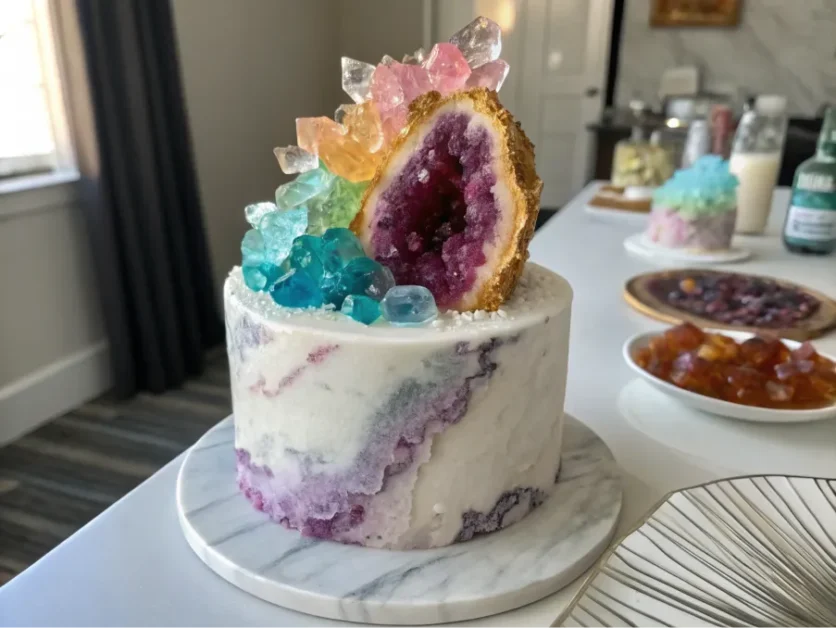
752,551
718,406
637,244
616,215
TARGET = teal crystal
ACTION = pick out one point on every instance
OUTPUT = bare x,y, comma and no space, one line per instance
409,306
306,256
279,229
361,308
339,247
256,212
260,277
297,289
336,207
364,275
252,248
304,187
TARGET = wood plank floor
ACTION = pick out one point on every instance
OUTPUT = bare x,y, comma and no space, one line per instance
57,478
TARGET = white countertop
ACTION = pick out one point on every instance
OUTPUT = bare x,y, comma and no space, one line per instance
131,565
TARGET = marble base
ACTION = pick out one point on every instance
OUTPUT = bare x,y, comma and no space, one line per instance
641,246
488,575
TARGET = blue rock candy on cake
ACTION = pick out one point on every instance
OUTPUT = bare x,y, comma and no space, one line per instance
329,269
409,305
705,188
361,308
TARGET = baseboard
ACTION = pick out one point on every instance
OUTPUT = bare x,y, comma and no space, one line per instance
53,390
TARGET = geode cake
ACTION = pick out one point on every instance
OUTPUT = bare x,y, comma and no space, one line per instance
397,369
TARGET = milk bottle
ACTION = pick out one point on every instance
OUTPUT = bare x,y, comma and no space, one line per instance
756,160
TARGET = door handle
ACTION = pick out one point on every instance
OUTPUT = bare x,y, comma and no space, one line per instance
592,92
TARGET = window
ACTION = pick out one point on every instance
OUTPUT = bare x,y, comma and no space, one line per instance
34,137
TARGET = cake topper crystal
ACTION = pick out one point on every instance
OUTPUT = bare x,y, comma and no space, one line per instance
457,227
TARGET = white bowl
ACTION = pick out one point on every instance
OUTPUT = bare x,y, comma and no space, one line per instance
718,406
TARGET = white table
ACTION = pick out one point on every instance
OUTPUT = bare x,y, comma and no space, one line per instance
131,565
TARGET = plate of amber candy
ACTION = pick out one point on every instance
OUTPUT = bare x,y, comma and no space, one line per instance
737,374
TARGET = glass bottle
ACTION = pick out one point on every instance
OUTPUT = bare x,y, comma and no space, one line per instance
756,160
810,225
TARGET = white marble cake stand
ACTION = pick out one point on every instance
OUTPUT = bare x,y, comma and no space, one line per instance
488,575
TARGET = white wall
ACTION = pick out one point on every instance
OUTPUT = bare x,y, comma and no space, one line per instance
53,352
779,47
250,68
369,29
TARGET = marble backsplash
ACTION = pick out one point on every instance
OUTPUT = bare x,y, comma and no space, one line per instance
780,46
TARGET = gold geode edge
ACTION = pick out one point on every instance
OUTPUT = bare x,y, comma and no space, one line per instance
517,157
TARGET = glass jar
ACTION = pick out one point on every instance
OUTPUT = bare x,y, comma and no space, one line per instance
641,163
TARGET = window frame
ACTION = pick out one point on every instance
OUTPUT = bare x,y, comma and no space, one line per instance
62,160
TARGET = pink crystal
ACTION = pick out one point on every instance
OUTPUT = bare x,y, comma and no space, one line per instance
388,97
491,75
414,80
447,67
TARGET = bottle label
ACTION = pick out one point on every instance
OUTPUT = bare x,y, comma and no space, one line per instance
807,223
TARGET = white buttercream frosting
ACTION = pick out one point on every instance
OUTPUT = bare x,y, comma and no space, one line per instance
399,437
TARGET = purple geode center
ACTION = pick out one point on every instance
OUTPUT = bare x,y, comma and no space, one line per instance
433,221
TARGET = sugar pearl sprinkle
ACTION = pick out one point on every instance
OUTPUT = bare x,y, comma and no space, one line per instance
535,286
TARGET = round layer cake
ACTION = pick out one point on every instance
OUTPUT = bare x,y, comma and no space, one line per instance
399,437
696,208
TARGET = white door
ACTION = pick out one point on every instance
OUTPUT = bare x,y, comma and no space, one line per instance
558,52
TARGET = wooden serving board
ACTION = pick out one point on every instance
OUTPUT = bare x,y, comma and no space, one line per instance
638,295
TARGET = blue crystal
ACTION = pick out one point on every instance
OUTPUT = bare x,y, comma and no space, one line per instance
279,229
297,289
409,305
256,212
361,276
306,256
252,248
361,308
260,277
340,246
303,188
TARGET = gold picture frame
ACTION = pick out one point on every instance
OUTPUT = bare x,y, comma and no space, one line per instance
722,13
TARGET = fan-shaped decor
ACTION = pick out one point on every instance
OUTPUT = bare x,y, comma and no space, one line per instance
753,551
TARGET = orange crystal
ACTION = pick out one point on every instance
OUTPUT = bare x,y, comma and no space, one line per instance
349,150
760,371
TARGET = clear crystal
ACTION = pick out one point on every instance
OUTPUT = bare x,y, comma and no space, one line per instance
415,58
255,212
340,113
480,41
356,76
387,60
409,306
295,160
491,75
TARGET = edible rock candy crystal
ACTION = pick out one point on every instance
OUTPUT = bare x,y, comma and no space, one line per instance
301,189
338,147
491,75
294,160
480,41
356,76
447,69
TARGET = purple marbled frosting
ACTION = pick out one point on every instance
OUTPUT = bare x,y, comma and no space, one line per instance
333,506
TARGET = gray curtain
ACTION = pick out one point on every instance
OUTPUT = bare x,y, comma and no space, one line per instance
141,201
